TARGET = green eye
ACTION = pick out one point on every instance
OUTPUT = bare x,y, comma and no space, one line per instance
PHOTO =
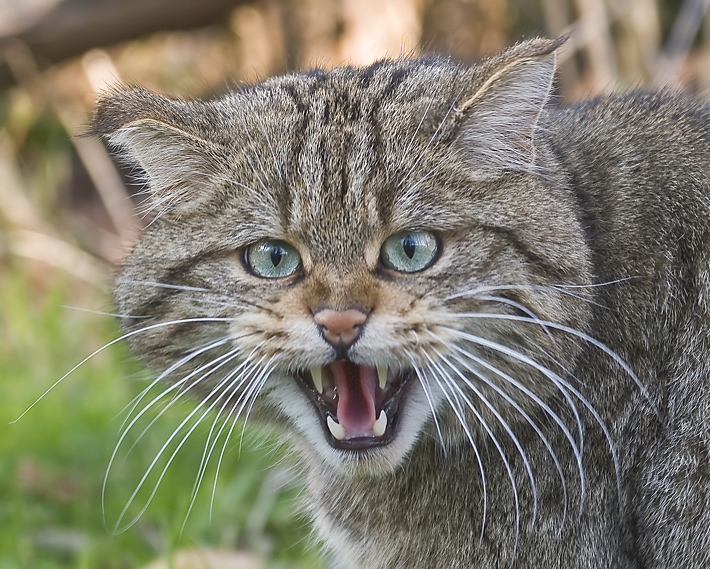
272,259
409,251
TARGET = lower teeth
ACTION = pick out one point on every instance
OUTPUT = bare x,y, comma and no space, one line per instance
336,429
380,425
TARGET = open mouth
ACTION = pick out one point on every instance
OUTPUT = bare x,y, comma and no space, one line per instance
358,404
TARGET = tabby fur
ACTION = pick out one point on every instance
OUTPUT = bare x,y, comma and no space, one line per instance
558,348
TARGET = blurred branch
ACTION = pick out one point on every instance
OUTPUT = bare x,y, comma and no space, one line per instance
557,21
75,26
90,151
15,208
28,234
56,253
642,23
105,178
594,26
685,28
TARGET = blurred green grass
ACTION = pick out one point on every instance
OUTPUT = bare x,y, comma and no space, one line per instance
53,460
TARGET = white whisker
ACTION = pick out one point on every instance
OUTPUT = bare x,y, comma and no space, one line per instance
215,364
557,380
597,285
568,435
519,306
218,393
501,420
455,407
100,313
225,357
111,343
268,368
249,394
565,394
213,302
541,323
262,182
426,387
561,289
423,153
271,148
572,331
131,407
209,448
161,285
425,177
454,386
416,131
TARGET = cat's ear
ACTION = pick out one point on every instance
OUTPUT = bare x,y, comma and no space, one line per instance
160,135
500,116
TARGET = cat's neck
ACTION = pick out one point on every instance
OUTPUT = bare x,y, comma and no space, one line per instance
432,512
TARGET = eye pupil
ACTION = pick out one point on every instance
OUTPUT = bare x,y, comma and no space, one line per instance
276,254
272,259
409,245
409,251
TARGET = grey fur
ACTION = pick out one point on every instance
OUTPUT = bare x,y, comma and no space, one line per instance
561,340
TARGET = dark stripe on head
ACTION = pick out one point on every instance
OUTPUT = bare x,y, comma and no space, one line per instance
510,236
296,149
395,80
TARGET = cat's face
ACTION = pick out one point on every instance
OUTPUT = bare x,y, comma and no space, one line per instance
356,255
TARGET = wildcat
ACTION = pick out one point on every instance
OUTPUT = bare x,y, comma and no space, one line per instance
482,322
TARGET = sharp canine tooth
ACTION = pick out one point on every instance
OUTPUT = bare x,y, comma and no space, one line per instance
335,429
380,425
382,375
317,376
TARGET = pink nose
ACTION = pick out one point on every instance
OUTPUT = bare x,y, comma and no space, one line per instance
340,328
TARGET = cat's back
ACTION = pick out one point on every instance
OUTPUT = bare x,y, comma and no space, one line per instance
638,166
641,138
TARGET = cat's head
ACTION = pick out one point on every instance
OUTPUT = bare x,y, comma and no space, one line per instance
367,256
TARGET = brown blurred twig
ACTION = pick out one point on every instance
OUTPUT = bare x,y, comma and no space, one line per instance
72,27
28,235
208,559
594,27
685,29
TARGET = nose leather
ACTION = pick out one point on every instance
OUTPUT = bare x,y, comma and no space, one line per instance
340,328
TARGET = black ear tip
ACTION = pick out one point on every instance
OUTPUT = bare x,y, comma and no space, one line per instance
121,105
539,47
112,111
106,119
559,41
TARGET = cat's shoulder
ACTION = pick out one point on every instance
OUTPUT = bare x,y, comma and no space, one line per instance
663,112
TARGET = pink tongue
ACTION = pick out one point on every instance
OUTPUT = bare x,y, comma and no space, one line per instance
356,397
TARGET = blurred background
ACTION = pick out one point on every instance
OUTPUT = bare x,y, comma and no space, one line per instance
67,217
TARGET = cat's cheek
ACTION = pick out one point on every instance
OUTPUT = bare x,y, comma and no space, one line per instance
308,433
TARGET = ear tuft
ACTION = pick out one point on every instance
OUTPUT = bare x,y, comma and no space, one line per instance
500,118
